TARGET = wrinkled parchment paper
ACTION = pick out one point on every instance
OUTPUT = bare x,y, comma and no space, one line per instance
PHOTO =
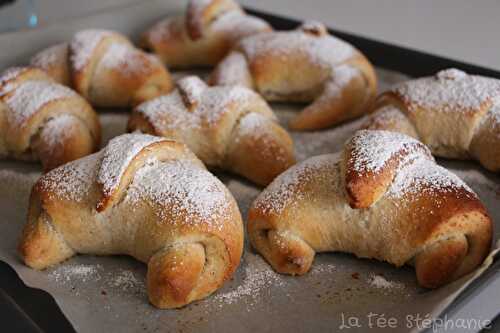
107,294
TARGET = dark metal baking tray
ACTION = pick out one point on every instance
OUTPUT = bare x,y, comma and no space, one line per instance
25,309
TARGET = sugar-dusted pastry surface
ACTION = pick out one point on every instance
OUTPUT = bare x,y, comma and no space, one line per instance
456,114
112,290
142,196
383,197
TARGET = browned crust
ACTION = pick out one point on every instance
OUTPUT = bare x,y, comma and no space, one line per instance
365,187
197,18
445,232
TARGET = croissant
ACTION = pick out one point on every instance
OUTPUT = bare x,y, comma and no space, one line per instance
304,65
383,197
455,114
105,68
146,197
41,120
203,36
231,128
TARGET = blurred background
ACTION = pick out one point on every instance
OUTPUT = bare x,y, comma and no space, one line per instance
460,29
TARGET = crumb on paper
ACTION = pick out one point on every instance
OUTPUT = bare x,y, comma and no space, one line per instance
378,281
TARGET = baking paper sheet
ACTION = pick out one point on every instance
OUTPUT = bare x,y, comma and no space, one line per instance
107,294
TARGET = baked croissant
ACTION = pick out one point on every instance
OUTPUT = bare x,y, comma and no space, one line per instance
383,197
146,197
455,114
41,120
231,128
105,68
303,65
203,36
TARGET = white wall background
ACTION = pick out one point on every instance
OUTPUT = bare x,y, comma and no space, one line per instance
461,29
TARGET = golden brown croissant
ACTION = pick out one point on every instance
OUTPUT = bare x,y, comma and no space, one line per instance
43,120
146,197
455,114
303,65
231,128
203,36
104,67
384,197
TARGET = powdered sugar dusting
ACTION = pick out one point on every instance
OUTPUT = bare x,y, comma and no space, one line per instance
127,280
71,181
83,45
449,90
125,58
50,56
117,156
285,187
372,149
192,88
258,279
163,30
56,130
378,281
386,116
238,25
341,77
323,50
27,98
8,75
423,177
79,272
181,189
169,112
492,119
253,124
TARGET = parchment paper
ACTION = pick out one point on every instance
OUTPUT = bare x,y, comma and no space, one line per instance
107,294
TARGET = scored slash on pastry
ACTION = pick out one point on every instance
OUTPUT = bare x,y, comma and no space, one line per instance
304,65
231,128
41,120
105,68
155,202
455,114
383,197
203,36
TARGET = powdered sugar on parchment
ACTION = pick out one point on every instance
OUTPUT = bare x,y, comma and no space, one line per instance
67,273
117,155
126,280
258,278
380,282
30,96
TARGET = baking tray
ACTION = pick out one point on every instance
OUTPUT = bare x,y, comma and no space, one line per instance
38,311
